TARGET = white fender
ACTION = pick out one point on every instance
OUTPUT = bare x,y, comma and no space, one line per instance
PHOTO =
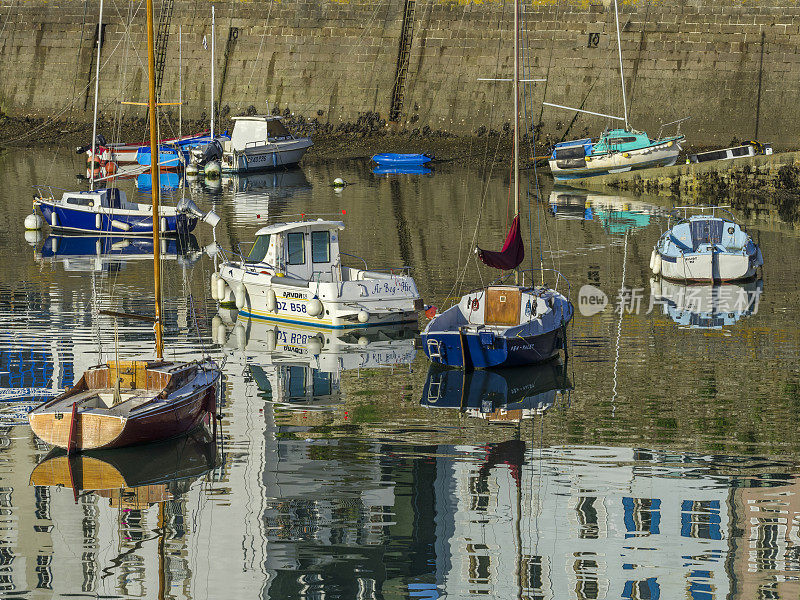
314,345
216,322
163,224
240,335
53,219
33,222
657,264
54,244
315,307
98,220
241,295
120,225
271,300
656,287
271,339
363,341
221,289
363,316
214,284
652,259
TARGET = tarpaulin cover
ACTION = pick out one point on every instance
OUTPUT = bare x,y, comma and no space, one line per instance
512,254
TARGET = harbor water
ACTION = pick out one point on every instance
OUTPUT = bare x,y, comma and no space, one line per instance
658,460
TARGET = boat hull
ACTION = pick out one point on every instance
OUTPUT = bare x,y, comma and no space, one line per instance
709,267
107,222
659,155
269,156
445,348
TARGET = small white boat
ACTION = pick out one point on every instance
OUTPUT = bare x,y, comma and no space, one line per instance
294,274
745,150
706,247
261,142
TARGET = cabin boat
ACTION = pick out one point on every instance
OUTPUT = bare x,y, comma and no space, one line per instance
706,248
108,211
499,395
617,151
122,403
499,326
261,142
742,151
706,306
294,274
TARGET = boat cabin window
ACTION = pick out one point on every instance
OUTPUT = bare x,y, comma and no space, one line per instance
81,200
321,246
297,382
259,249
277,130
295,244
111,199
570,152
322,384
621,140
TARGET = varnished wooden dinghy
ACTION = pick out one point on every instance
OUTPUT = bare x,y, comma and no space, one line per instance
132,477
128,402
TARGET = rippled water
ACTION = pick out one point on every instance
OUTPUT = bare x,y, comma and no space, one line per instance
660,461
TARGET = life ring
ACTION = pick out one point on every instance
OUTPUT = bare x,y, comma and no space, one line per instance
475,304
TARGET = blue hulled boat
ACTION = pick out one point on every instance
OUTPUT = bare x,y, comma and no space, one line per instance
108,211
391,159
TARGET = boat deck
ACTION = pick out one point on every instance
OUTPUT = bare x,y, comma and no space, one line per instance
103,399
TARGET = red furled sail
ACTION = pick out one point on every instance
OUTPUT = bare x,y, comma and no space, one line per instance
512,254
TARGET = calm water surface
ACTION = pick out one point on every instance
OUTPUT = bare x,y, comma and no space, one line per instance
660,461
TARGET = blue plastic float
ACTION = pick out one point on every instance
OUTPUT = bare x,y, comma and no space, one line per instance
390,159
401,170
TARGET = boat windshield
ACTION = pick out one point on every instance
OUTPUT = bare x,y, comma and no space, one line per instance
277,130
259,249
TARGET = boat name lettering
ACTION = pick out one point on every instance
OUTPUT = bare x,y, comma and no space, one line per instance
400,286
298,295
293,338
257,158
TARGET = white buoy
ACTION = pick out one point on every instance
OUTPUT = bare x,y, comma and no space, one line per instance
212,169
315,307
33,236
363,316
271,300
221,289
339,182
271,339
33,222
216,322
241,295
214,280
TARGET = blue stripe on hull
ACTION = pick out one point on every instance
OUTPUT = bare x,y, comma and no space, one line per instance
258,317
503,352
85,222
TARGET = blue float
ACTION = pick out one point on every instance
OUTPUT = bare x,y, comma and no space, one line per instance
392,159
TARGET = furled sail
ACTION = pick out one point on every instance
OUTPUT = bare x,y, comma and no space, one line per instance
512,254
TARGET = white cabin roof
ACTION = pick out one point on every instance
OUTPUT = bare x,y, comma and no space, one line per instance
317,225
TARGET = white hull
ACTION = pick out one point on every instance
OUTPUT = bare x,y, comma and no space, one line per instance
267,156
660,155
708,267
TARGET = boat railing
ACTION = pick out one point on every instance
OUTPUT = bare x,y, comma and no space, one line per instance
559,277
42,189
677,129
701,208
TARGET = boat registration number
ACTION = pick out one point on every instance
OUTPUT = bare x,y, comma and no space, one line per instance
298,307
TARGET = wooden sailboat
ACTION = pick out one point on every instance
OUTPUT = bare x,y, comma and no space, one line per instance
131,402
502,325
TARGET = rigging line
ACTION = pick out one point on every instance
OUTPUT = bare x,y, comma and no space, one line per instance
80,46
635,76
619,324
549,61
258,54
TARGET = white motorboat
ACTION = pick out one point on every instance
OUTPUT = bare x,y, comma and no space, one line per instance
261,142
294,274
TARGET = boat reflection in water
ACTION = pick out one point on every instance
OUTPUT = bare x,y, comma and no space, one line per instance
706,306
498,395
617,214
135,476
109,253
302,366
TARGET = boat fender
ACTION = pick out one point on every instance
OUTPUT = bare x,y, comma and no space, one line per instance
221,289
53,219
669,144
120,225
241,295
315,307
314,345
363,341
625,155
271,339
241,336
214,284
97,221
271,300
657,264
163,224
216,322
652,259
33,222
54,244
475,304
363,316
656,287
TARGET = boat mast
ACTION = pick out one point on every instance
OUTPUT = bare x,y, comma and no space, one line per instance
96,91
180,81
516,118
621,72
155,177
213,27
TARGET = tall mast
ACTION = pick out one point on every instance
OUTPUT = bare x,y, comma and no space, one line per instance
213,27
155,177
96,91
516,107
180,81
621,72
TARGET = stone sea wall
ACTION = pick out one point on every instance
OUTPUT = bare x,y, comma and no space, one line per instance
732,65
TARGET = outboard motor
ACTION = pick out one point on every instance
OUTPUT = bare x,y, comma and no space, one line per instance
100,140
211,151
187,206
